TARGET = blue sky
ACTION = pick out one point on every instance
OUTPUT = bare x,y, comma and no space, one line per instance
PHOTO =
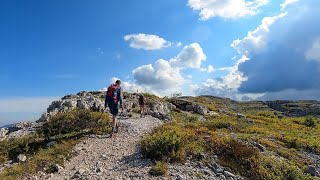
56,47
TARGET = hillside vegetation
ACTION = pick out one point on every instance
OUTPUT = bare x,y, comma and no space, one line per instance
64,131
259,143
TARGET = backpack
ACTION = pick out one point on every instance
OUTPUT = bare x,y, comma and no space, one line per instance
112,92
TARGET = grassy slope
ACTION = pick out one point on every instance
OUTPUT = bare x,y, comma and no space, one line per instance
66,129
285,138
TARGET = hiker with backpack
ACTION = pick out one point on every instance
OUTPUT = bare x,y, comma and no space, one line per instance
114,102
141,104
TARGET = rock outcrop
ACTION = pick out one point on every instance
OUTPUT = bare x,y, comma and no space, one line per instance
83,100
95,101
187,105
18,130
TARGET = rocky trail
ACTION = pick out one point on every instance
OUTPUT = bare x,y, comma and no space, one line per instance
101,157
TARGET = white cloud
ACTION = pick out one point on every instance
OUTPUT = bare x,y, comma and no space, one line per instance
256,40
229,9
210,69
287,2
165,76
189,77
191,56
160,77
314,52
226,86
178,44
147,41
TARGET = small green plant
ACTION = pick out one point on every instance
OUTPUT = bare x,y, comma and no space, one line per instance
136,110
310,121
292,143
192,118
159,169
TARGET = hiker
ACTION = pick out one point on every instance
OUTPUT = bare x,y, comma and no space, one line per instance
141,104
114,101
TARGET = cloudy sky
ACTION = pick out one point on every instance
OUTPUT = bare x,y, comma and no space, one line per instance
242,49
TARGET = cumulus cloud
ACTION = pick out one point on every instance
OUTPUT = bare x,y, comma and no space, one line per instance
210,69
280,58
288,2
191,56
164,77
160,76
256,40
226,86
285,62
148,41
229,9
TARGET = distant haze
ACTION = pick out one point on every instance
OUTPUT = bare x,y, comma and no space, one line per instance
14,110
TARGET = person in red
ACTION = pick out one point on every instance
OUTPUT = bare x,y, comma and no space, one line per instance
114,102
141,104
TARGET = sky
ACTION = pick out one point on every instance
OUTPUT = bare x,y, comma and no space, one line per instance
241,49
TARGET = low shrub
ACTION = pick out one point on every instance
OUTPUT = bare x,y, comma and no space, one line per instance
192,118
274,168
159,169
136,110
164,144
236,155
77,121
10,149
310,121
41,161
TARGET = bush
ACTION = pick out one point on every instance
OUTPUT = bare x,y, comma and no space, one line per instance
310,121
10,149
292,143
77,121
237,155
159,169
40,161
164,144
273,168
192,118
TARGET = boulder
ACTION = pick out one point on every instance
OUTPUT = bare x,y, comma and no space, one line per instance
312,170
21,158
3,132
52,143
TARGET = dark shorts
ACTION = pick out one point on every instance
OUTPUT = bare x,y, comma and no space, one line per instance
141,104
114,109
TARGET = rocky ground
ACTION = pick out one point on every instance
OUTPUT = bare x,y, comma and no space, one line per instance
101,157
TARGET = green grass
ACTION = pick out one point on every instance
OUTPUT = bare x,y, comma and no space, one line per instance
227,136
